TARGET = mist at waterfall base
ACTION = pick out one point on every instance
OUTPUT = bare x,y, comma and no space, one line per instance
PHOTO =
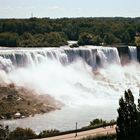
86,91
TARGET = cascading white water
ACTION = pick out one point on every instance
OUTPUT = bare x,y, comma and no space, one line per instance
133,53
108,55
24,57
73,76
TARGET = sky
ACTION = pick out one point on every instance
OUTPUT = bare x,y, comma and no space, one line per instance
69,8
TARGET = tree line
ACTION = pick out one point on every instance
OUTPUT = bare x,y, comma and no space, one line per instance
48,32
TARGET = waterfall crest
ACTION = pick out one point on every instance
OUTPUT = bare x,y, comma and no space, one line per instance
93,56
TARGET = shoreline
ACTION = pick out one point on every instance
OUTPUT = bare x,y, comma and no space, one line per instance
19,102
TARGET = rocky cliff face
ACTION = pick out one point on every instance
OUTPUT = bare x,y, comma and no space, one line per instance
124,55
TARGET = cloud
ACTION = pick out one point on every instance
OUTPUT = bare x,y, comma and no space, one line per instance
55,8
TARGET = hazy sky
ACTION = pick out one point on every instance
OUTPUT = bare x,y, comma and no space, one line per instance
69,8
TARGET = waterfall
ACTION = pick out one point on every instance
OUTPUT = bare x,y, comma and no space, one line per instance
84,75
133,53
93,56
108,55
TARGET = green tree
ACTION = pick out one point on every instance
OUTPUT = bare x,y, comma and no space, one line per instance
97,122
125,38
97,40
8,39
26,40
54,39
47,133
85,39
22,134
127,121
109,39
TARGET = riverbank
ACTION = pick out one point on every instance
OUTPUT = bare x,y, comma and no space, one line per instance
54,134
18,102
84,134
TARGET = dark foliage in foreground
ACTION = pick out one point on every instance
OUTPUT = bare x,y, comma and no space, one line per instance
55,32
22,134
104,137
128,122
27,133
47,133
